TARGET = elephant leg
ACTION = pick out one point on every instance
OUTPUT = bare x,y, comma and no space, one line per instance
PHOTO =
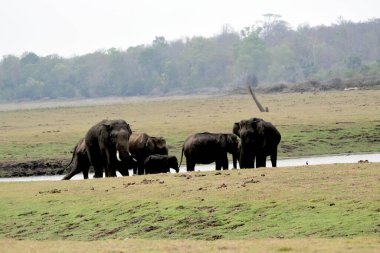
94,159
246,161
84,166
85,174
124,172
98,168
222,163
190,166
273,158
218,166
141,170
225,162
98,172
110,171
71,174
260,161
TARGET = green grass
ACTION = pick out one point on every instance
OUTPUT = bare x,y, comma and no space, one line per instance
329,208
323,202
310,124
332,205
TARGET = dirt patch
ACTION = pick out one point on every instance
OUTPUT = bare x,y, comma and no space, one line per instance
33,168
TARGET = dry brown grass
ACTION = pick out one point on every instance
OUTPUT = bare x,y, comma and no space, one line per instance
363,245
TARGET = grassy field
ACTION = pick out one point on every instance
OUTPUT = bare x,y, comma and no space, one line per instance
329,208
326,208
310,123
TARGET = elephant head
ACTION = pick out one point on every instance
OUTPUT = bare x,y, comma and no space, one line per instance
173,163
230,143
156,145
119,132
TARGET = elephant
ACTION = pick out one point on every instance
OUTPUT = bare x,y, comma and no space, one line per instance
82,162
155,164
259,139
205,148
142,145
107,143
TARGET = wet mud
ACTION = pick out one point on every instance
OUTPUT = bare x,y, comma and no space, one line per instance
33,168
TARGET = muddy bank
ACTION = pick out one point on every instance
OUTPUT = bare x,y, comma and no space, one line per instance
44,169
33,168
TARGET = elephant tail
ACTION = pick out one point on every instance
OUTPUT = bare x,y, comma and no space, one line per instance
72,158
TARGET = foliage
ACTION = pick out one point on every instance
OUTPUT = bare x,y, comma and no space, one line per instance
270,51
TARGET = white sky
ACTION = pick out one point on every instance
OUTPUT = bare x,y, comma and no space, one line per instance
76,27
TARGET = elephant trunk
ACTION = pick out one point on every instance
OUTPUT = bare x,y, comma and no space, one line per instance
124,157
174,163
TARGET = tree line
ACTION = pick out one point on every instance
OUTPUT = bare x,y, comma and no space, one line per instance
269,52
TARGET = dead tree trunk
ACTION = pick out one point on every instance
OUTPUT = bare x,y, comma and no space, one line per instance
261,108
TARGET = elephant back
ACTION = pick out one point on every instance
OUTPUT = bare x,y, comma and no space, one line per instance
159,146
142,145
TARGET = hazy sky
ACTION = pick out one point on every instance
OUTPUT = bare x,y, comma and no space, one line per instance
76,27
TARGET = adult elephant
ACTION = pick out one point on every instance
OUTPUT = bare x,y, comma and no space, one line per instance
107,143
142,145
81,162
259,139
206,148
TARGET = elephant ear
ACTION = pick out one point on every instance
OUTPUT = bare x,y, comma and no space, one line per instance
160,142
223,141
150,144
104,131
129,129
236,129
260,126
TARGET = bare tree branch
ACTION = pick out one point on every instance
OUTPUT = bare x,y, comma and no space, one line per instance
261,108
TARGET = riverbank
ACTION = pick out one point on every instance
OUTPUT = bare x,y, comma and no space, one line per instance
18,173
310,124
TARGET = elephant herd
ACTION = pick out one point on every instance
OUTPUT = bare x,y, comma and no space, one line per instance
110,146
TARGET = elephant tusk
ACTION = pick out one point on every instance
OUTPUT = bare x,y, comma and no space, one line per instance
118,155
134,159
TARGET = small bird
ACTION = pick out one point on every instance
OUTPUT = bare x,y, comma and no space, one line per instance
307,163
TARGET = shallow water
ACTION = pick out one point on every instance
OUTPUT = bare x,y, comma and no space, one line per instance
313,160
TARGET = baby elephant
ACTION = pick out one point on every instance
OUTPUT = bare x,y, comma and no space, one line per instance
155,164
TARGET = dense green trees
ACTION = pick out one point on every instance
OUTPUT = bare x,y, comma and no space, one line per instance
268,52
